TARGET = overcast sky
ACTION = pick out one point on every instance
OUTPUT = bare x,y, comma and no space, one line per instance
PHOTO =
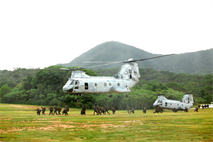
40,33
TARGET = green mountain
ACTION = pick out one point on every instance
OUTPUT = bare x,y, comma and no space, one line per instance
200,62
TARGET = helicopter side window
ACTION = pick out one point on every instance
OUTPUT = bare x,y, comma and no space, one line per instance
109,84
96,84
165,103
86,86
118,84
105,84
76,84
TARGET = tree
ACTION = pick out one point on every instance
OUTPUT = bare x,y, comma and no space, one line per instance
27,82
4,90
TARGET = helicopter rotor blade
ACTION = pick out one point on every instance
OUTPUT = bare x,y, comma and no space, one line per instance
61,69
150,58
105,64
100,62
126,61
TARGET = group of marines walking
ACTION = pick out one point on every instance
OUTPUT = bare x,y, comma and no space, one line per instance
102,110
53,110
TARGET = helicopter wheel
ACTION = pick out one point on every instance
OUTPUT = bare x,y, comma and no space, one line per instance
110,96
127,95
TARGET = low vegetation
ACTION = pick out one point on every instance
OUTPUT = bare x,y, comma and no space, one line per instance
21,123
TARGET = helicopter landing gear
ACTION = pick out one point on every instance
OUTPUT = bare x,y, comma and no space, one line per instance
80,95
127,95
111,96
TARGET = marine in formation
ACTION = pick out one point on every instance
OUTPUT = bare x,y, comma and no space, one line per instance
83,111
158,109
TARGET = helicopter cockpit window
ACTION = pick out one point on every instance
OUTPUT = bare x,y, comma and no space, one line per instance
72,82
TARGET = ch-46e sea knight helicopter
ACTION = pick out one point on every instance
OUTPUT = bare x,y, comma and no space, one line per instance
126,78
185,104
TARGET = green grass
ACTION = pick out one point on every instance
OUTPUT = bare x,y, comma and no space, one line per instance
20,123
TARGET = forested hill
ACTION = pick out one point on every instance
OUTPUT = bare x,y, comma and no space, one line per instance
200,62
44,87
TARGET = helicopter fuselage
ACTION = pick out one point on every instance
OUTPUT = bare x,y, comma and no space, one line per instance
186,102
97,85
81,83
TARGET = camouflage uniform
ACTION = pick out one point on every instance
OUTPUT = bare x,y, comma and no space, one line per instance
113,110
186,110
38,111
102,110
106,109
98,110
174,110
55,110
158,109
207,106
51,110
198,106
202,106
132,111
95,110
127,109
144,110
43,110
83,111
59,110
65,111
196,109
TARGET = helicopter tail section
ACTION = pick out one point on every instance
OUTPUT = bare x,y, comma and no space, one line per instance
130,71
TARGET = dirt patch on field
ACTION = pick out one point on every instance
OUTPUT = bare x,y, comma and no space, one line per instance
47,121
131,121
56,127
101,125
26,107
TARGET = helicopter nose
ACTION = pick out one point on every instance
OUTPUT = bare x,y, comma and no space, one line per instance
155,104
68,89
65,89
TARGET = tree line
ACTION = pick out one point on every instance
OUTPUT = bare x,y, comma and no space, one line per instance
44,87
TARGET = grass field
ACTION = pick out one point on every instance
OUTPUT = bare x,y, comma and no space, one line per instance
21,123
